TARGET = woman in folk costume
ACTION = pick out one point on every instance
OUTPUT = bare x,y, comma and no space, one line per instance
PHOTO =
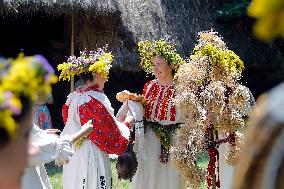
18,90
48,147
156,170
90,165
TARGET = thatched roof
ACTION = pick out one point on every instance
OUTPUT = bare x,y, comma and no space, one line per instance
125,22
57,7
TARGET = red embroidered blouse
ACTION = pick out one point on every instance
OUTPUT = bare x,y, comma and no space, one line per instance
105,134
161,106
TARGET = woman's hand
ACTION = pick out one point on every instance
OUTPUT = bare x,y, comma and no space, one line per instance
122,112
130,120
87,128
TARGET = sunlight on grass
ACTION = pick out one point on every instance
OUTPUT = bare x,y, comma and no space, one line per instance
55,174
118,184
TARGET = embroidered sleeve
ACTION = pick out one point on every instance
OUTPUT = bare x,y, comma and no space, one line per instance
106,134
146,87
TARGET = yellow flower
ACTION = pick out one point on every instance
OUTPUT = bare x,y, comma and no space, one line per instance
87,62
148,50
8,123
270,18
26,76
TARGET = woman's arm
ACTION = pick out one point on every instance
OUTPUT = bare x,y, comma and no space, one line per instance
50,147
122,112
86,129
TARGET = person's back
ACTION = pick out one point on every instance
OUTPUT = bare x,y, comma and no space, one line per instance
90,166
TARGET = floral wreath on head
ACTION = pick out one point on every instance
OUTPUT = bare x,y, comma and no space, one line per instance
96,62
15,83
162,48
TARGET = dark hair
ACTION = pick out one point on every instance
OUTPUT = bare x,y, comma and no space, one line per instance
27,106
127,164
4,137
86,76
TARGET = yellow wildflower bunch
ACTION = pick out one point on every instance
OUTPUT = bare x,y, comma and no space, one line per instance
226,59
98,61
66,72
30,77
270,18
148,50
220,57
102,66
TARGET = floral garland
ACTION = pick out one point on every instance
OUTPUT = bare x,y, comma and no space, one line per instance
212,102
165,134
162,48
15,83
96,62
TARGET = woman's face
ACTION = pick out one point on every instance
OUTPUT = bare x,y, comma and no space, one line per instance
14,155
161,68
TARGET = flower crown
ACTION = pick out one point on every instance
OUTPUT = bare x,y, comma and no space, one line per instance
29,76
148,50
96,62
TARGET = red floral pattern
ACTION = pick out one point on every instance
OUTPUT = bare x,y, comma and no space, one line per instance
105,134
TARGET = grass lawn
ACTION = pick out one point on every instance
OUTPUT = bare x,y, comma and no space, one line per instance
55,174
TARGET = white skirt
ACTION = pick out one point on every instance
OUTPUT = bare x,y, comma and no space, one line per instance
89,168
152,174
226,171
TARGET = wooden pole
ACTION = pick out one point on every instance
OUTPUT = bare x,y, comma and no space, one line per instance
72,48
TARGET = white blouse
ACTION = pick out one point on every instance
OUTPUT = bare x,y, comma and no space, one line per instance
50,148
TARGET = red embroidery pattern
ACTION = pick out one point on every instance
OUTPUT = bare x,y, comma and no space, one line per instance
105,134
154,92
65,113
164,106
151,97
173,113
159,102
